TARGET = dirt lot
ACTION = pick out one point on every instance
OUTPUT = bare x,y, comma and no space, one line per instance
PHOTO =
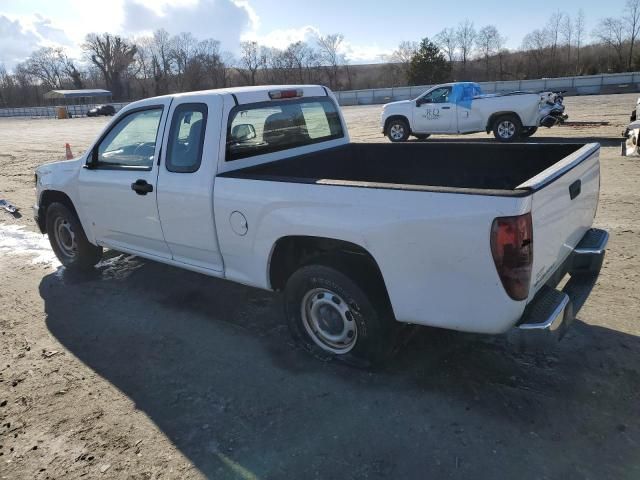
144,371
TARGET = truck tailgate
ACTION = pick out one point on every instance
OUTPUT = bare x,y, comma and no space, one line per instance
565,199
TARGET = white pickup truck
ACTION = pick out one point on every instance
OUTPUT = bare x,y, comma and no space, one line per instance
261,186
456,108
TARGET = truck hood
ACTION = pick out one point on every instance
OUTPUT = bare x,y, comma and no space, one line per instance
398,104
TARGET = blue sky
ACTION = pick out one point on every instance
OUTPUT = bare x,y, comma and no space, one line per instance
370,28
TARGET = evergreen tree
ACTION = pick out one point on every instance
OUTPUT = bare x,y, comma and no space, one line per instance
428,65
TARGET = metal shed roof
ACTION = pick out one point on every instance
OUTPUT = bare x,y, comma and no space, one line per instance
96,92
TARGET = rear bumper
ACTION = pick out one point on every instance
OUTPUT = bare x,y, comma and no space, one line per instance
551,312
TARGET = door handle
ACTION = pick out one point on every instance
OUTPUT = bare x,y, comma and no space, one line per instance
446,108
141,187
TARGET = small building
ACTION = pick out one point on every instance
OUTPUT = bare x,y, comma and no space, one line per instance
78,97
73,103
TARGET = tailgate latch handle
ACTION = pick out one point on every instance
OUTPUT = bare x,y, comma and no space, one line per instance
575,188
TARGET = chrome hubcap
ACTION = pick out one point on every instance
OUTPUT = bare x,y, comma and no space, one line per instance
396,131
65,238
506,129
328,321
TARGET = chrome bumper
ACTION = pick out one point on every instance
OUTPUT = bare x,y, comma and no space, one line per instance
551,312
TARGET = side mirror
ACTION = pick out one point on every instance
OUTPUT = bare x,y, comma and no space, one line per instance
243,132
422,101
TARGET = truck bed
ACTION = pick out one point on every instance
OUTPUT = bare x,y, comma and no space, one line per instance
482,168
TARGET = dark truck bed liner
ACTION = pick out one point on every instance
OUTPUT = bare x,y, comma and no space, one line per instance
482,168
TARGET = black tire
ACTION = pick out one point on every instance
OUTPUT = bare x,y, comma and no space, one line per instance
368,315
633,116
422,136
507,128
528,131
398,130
68,239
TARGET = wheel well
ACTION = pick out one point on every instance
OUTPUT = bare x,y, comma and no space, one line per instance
495,115
291,253
47,198
395,117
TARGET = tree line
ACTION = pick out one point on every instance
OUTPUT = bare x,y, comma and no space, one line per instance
161,63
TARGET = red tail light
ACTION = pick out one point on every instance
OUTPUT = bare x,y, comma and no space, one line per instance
512,250
279,94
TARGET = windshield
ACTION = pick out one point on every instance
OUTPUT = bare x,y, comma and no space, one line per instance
268,127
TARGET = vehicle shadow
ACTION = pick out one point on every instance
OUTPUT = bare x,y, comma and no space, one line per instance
211,363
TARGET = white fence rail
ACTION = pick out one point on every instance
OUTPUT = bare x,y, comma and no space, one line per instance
72,110
586,85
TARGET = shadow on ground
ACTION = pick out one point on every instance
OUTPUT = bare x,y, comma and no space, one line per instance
211,363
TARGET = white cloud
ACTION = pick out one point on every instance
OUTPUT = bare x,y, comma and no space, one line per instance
224,20
364,53
281,38
19,37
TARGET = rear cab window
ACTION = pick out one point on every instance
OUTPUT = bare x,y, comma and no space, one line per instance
266,127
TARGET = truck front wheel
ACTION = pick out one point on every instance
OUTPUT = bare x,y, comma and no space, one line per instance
507,128
68,239
332,316
398,130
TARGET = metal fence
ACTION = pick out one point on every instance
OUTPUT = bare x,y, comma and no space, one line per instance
585,85
72,110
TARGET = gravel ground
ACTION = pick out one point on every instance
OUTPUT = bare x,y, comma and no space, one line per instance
142,371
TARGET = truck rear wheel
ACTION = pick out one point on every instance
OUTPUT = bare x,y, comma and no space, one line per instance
68,239
507,128
398,130
332,316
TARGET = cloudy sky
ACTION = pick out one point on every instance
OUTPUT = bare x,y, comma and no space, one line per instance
371,28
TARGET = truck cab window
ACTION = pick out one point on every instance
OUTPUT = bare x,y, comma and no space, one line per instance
439,95
186,138
132,141
279,125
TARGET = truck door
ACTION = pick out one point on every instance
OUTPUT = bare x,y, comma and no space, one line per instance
186,180
470,119
435,112
117,187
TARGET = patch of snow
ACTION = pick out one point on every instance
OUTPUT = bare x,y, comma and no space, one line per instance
17,240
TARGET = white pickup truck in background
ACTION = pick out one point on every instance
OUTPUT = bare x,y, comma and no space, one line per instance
457,108
261,186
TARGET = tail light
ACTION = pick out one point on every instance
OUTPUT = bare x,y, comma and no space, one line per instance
280,94
512,250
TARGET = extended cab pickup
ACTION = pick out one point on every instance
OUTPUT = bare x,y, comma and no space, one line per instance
456,108
261,186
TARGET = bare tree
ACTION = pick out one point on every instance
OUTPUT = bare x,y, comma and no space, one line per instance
401,58
579,29
553,31
112,55
567,35
611,32
489,42
632,21
249,61
330,56
447,40
465,37
534,44
48,66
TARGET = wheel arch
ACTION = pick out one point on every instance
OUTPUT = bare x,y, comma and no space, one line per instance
495,115
396,117
46,199
294,251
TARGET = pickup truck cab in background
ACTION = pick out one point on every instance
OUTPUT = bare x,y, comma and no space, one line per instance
456,108
261,186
